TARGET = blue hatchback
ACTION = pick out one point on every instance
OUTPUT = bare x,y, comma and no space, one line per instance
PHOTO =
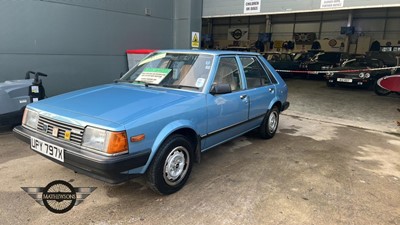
159,117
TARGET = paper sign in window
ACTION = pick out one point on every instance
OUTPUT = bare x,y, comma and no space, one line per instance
153,75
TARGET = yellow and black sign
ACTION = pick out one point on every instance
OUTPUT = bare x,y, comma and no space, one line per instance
195,40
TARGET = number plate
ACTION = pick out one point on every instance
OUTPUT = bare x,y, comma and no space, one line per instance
345,80
48,149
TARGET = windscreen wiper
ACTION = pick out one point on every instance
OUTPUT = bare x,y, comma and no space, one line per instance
180,86
121,81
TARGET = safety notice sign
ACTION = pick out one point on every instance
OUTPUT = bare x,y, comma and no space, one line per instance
326,4
195,40
252,6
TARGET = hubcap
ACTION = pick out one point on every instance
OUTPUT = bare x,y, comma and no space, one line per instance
273,121
176,165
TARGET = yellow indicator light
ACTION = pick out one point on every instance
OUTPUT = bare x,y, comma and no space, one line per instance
137,138
67,135
118,143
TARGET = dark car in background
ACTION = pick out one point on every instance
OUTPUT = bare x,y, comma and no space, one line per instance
323,61
238,48
390,59
301,57
362,72
282,61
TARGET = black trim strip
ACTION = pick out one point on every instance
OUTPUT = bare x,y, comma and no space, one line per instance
230,127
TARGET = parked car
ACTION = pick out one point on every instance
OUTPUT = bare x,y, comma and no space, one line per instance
16,94
238,48
159,117
390,59
387,85
357,72
323,61
282,61
302,57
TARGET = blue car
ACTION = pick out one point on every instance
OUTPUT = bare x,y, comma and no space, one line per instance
159,117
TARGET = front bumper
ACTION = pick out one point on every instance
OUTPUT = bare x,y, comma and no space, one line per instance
111,169
354,81
11,118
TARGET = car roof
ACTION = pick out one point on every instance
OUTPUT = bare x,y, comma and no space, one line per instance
276,53
209,52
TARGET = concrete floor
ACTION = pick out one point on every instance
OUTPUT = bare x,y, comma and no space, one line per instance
316,170
343,105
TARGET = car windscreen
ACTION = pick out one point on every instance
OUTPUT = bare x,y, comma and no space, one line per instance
329,57
173,70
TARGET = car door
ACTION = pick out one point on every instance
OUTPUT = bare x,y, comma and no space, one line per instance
260,88
227,113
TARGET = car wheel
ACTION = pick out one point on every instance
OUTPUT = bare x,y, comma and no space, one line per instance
171,165
270,123
380,91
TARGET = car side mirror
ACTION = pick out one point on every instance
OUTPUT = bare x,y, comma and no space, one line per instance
220,89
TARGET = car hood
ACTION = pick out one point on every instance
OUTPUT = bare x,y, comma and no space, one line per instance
117,103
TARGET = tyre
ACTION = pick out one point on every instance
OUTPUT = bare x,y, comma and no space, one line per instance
380,91
270,123
171,166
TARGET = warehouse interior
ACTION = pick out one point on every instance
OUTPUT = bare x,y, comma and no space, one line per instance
369,25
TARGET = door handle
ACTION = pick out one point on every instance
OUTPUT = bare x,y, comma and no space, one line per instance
271,90
243,96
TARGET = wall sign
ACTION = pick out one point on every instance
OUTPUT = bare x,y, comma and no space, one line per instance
252,6
327,4
195,39
238,34
332,43
304,38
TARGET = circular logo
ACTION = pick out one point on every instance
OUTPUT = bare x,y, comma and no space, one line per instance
237,34
59,196
332,42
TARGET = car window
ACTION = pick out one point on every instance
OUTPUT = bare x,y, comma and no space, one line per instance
228,73
353,64
374,63
173,70
287,57
270,57
329,57
300,57
254,72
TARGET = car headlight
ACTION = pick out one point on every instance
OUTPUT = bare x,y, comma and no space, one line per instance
367,75
361,75
109,142
30,118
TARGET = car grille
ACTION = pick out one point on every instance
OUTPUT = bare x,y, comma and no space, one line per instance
47,126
